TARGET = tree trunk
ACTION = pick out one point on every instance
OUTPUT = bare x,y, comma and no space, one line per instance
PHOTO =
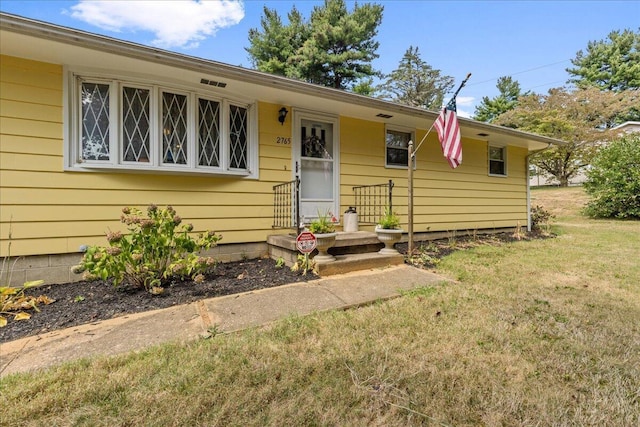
564,181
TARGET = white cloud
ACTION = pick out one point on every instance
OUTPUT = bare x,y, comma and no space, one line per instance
465,101
174,23
462,101
465,114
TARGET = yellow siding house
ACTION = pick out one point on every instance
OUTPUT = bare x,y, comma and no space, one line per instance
90,124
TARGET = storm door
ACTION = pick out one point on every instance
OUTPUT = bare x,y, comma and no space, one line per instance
317,151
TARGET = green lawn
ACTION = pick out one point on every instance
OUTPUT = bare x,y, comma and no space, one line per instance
543,332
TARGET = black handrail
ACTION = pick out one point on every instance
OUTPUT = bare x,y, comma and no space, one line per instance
371,201
286,205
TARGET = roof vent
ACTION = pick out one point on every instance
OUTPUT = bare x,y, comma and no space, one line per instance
384,116
213,83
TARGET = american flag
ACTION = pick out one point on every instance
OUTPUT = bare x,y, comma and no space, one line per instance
449,134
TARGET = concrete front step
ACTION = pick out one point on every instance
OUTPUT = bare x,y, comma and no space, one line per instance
353,251
354,239
355,262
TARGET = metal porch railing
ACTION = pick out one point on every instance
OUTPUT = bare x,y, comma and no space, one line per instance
371,201
286,205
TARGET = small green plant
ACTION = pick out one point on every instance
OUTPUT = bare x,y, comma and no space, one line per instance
323,224
304,264
540,219
213,331
157,250
78,298
425,256
280,262
389,221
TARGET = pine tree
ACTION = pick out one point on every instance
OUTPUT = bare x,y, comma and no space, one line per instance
416,83
490,109
334,48
612,64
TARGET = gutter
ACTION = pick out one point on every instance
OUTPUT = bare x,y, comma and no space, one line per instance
529,185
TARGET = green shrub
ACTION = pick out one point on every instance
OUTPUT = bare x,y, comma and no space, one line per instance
613,182
540,219
156,250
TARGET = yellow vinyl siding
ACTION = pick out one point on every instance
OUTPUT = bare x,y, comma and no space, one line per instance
37,146
49,210
444,199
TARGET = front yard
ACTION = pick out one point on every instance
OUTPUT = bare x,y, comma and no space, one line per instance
542,332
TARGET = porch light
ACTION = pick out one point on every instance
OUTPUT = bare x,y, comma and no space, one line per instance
282,114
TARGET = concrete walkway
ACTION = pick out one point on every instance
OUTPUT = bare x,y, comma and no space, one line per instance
191,321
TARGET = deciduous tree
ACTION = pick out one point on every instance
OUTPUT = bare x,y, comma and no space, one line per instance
580,117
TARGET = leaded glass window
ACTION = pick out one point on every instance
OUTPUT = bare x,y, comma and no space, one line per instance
208,133
174,128
95,121
126,124
238,137
136,124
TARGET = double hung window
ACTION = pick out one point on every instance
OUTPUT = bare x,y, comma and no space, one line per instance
497,161
397,148
124,125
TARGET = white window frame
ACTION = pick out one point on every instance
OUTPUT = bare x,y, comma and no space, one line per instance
412,136
73,127
503,148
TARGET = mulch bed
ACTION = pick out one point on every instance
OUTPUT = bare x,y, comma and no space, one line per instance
85,302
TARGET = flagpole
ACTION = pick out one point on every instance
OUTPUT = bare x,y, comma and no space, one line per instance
410,196
412,154
434,122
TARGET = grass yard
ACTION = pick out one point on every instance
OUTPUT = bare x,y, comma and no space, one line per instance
544,332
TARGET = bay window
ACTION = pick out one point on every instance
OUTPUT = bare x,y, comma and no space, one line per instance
117,124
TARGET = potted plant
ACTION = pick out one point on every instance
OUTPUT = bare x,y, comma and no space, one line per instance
324,230
389,232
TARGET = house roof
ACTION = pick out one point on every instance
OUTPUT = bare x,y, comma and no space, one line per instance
47,42
628,127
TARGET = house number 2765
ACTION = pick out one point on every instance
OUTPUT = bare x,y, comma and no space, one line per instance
283,140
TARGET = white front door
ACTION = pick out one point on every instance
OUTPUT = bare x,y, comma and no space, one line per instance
316,153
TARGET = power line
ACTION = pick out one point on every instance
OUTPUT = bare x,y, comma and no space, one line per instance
544,84
520,72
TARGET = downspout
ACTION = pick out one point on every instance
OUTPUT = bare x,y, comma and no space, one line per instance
529,184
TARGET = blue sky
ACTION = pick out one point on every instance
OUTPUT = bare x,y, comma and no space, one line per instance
533,41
